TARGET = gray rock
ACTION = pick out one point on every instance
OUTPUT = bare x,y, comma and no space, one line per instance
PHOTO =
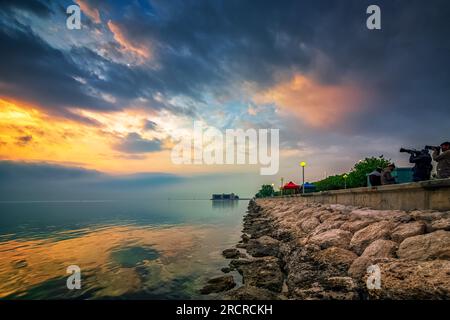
262,273
231,253
263,246
226,269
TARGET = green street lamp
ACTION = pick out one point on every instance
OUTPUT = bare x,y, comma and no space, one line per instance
303,165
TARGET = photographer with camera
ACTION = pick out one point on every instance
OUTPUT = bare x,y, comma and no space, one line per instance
422,164
442,156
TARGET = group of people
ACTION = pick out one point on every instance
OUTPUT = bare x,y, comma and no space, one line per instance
422,161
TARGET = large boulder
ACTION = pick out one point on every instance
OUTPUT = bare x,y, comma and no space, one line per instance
262,273
381,249
231,253
218,284
406,230
336,257
355,225
427,216
429,246
362,238
263,246
413,280
377,249
332,238
333,288
329,224
309,224
441,224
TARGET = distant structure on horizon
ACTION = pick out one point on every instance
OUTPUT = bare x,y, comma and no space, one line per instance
225,196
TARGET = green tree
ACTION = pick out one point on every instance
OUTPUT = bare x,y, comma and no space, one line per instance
357,177
265,191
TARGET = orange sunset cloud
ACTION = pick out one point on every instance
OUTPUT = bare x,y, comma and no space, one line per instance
139,50
93,13
29,134
318,105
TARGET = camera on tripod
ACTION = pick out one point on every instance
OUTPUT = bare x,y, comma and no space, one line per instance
432,148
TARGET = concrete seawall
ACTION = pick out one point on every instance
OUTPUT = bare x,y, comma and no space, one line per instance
427,195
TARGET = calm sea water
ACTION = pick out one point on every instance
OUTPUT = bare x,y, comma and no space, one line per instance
163,249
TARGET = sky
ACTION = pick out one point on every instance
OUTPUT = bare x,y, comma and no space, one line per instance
105,104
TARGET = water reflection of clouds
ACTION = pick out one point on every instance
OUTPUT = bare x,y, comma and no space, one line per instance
105,257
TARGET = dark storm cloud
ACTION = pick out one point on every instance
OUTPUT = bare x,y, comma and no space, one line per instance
134,143
210,46
36,7
30,69
404,67
33,70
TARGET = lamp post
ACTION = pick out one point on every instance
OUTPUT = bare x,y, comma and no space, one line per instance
281,188
273,189
303,165
345,181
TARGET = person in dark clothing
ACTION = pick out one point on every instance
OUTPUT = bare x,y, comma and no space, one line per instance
422,165
375,177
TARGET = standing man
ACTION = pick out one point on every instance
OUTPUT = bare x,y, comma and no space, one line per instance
386,176
443,160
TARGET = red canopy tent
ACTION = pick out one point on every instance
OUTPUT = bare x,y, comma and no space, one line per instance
290,186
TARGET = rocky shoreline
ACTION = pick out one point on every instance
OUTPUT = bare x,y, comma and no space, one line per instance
294,250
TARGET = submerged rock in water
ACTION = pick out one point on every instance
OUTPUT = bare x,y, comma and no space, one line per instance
218,284
231,253
226,270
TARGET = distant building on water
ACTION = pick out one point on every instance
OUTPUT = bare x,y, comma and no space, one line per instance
225,196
